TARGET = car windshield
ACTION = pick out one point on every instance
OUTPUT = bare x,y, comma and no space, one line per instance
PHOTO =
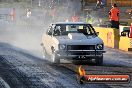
64,29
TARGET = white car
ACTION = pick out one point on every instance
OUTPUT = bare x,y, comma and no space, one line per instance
72,41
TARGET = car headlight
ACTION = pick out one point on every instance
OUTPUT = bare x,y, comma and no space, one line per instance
99,46
62,46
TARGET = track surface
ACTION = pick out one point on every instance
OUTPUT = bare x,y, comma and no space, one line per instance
23,70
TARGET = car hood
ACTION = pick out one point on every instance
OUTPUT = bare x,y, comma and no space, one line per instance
78,40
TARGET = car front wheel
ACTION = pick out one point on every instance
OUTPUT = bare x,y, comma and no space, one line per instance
99,60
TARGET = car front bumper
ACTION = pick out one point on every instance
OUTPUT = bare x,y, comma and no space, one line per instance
80,54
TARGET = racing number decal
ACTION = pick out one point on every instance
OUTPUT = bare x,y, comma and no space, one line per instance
109,37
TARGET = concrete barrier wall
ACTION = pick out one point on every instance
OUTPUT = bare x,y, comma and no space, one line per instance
125,43
112,38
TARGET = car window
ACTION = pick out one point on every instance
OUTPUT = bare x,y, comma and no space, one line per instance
71,28
49,31
64,29
90,30
57,30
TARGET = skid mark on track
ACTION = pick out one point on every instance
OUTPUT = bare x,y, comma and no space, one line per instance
18,79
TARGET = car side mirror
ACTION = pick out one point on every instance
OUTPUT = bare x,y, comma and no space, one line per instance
97,33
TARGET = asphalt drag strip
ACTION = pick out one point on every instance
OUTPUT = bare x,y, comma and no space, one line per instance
20,69
16,78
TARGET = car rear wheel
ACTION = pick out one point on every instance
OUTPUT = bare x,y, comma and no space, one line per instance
55,59
99,60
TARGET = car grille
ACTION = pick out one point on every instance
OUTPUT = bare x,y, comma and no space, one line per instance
81,47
